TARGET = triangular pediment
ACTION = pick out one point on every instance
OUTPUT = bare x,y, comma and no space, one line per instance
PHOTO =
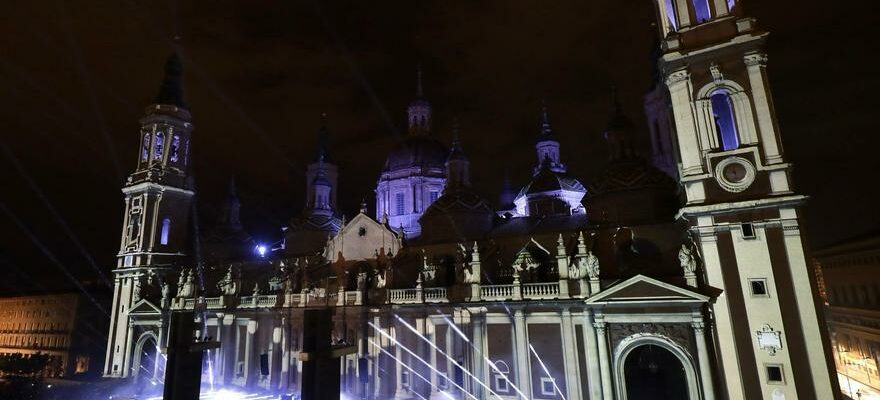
361,239
144,307
642,289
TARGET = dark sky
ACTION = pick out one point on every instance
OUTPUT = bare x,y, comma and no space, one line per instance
76,76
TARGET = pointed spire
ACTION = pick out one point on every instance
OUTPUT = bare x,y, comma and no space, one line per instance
617,132
229,216
456,152
171,91
546,130
323,141
420,92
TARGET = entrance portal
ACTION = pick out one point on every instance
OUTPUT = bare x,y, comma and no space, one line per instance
652,372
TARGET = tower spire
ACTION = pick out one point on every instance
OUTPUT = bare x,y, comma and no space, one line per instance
171,90
419,111
419,91
323,139
617,132
457,164
547,146
546,129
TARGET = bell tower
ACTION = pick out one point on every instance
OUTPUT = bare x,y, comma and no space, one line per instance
744,216
157,208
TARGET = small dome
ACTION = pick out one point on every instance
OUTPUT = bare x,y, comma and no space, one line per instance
417,151
549,181
456,215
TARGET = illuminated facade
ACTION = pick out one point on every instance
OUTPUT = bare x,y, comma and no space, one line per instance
52,325
616,292
852,287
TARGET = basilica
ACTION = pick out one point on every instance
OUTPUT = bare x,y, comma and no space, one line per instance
679,275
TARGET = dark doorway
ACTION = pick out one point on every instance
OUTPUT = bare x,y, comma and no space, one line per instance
652,372
148,361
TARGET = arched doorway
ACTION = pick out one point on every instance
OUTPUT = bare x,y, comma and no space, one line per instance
652,372
145,361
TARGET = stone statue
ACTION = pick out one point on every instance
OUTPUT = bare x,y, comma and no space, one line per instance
166,292
688,260
257,289
592,265
189,287
181,279
228,286
361,280
136,292
381,279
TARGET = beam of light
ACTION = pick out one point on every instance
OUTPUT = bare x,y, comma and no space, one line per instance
403,365
51,257
86,80
58,218
410,352
486,358
546,371
454,327
463,369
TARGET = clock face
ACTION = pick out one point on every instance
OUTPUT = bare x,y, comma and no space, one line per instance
734,172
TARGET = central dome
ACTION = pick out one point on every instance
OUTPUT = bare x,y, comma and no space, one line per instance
417,151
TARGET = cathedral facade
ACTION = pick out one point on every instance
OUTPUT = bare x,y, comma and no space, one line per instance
682,276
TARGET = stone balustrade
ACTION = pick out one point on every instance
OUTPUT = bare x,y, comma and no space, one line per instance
487,293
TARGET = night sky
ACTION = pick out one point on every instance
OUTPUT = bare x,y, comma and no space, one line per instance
75,78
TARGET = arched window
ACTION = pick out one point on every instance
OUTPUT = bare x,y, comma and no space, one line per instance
160,144
145,155
725,121
671,15
701,8
175,148
500,378
731,4
166,228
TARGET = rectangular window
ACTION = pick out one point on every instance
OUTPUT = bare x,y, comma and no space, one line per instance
704,12
400,203
748,231
759,287
774,374
434,196
501,385
548,388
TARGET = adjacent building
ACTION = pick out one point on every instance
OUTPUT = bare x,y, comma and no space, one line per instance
852,296
646,283
63,327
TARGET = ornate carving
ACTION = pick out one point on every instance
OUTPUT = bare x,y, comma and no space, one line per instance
688,260
755,59
678,333
592,265
677,77
769,340
715,70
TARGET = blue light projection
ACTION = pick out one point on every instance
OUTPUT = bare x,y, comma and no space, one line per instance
725,123
704,13
671,15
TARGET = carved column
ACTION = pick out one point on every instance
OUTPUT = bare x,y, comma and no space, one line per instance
523,356
432,357
604,358
400,391
755,64
703,359
569,351
594,377
478,368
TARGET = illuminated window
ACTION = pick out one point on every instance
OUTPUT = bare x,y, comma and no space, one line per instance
548,388
731,4
175,148
704,13
146,152
160,143
434,195
671,15
166,228
500,378
725,123
400,203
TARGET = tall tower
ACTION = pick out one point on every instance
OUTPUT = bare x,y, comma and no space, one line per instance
743,213
157,208
415,171
322,176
